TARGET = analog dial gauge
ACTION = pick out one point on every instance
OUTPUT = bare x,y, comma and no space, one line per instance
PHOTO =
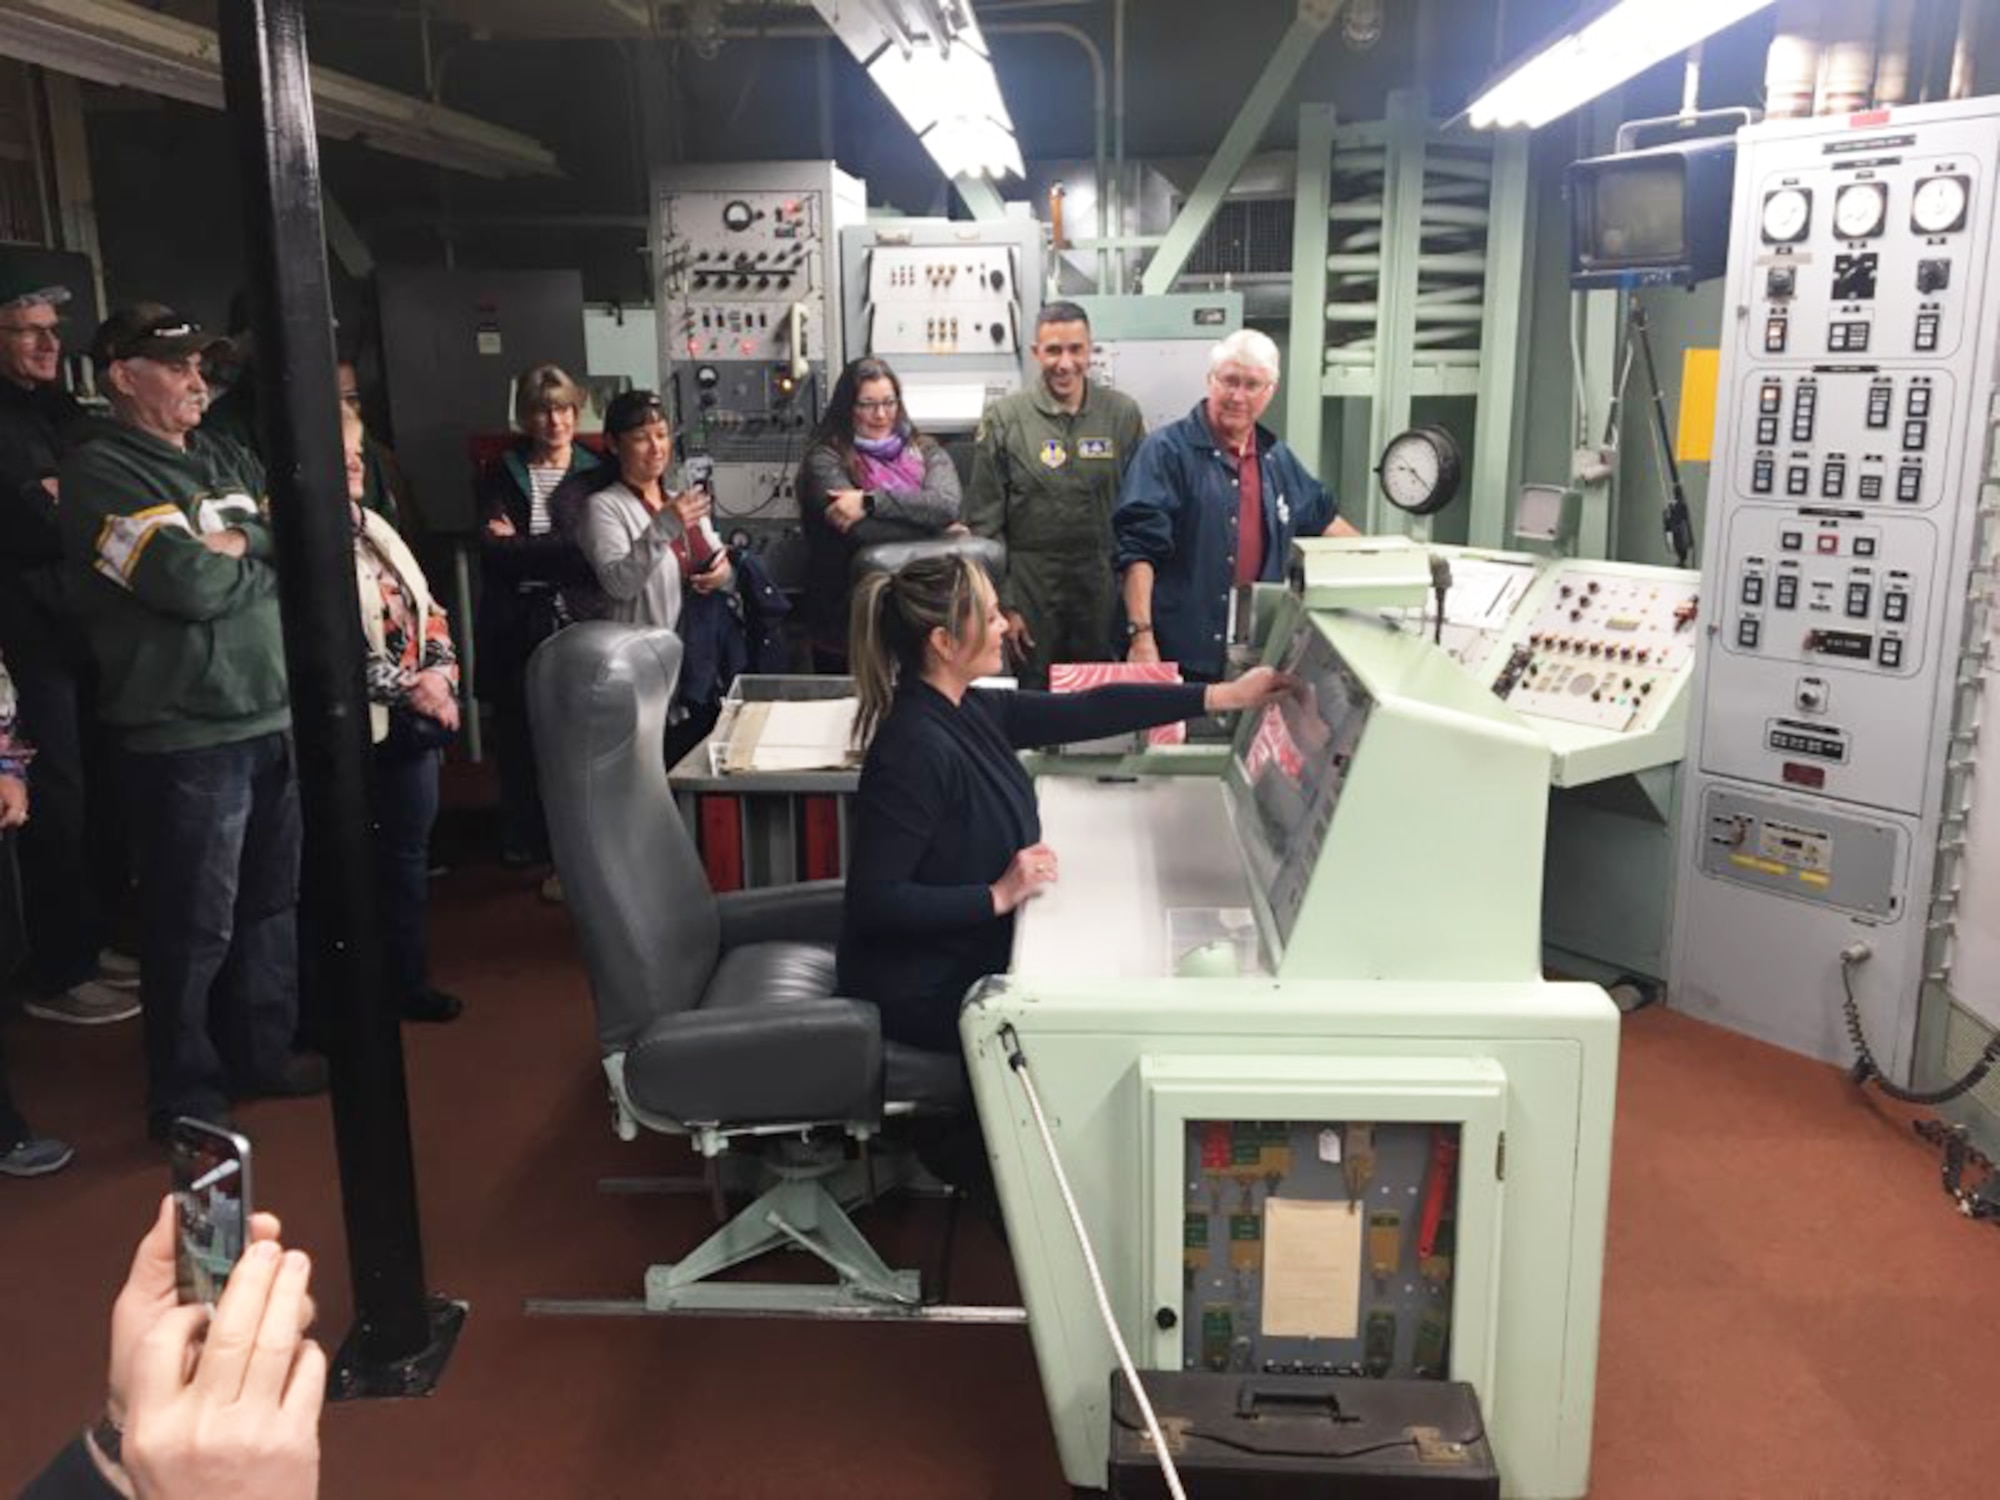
1860,210
1939,205
1787,215
1420,470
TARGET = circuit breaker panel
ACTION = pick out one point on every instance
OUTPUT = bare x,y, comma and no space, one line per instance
750,319
1857,363
1319,1247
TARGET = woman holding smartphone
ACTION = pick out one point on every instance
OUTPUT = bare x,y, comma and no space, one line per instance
654,550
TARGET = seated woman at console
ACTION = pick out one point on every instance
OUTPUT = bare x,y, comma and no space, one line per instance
869,477
947,841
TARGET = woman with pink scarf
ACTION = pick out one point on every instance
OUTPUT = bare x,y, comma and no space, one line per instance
869,477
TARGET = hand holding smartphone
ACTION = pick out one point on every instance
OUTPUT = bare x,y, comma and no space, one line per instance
212,1204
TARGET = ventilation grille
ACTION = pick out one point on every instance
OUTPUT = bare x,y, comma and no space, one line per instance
1247,237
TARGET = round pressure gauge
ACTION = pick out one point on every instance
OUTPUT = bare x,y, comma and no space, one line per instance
1860,210
1787,215
1939,205
1420,470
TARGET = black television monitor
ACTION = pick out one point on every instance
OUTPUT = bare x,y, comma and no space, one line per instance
1658,217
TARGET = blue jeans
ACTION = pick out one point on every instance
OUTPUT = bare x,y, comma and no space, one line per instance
406,805
217,831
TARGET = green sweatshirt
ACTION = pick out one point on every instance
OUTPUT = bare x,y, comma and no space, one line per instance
188,645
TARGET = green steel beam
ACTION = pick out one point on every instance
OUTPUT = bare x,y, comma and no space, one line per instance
1408,125
980,197
1599,337
1245,132
1305,402
1503,365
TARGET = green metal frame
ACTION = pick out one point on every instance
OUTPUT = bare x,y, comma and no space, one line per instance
1245,131
982,200
1400,374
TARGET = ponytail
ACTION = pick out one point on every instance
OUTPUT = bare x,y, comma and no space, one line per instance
893,617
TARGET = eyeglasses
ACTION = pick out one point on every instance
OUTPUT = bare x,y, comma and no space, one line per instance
1247,385
880,403
34,333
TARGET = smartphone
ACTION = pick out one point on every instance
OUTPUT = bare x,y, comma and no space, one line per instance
211,1177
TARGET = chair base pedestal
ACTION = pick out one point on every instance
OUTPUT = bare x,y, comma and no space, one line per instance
803,1211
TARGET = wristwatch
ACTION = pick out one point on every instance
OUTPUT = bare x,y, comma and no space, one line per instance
868,502
109,1438
1136,628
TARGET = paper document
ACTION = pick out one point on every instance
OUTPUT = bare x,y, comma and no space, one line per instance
1312,1269
809,735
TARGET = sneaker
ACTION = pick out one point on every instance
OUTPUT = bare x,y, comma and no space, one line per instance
92,1003
37,1157
302,1074
119,970
552,891
433,1005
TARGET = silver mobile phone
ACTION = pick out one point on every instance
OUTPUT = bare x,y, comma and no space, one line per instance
211,1177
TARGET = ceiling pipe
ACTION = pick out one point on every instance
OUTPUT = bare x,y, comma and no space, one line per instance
1964,56
1792,66
1849,74
1892,59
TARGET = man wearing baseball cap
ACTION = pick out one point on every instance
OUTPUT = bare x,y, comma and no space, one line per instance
72,868
165,535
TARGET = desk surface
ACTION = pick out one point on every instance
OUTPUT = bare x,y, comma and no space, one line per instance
1130,853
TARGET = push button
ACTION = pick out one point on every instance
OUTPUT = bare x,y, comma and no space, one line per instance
1775,335
1753,588
1920,401
1761,476
1789,541
1890,653
1747,630
1798,480
1909,484
1787,593
1858,601
1864,546
1895,606
1827,543
1869,487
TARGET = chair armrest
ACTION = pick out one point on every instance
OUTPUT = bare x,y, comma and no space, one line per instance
809,912
807,1060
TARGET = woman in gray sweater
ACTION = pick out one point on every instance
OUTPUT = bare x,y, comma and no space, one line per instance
869,477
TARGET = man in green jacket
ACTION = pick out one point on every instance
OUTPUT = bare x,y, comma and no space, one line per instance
164,531
1046,469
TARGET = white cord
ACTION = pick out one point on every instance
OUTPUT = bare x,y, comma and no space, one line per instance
1018,1061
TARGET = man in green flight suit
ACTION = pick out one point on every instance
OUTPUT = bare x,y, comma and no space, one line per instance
1045,477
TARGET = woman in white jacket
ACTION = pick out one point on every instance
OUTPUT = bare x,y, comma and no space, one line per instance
412,676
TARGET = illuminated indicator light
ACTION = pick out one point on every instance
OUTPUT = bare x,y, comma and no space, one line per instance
1813,877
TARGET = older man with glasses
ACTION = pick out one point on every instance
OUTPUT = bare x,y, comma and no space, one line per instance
71,859
1213,501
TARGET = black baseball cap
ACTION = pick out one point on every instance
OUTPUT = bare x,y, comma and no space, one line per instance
629,409
151,330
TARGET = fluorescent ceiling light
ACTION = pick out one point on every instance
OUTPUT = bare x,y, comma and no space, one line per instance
1619,44
930,62
127,46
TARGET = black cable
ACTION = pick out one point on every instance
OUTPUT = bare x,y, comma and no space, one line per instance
1257,1450
1867,1070
1676,518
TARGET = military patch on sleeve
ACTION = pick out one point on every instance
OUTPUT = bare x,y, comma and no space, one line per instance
1095,448
1054,454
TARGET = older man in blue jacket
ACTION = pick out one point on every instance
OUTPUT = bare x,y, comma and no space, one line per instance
1212,501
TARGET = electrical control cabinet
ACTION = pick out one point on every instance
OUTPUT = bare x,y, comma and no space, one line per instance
950,304
749,316
1858,361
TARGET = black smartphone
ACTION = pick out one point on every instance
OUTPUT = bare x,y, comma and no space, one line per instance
211,1175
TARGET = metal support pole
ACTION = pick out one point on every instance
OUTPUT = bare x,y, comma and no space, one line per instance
981,199
401,1336
1305,372
1245,131
1501,433
1408,127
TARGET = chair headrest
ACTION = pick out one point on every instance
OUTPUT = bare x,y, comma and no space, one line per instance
893,557
599,695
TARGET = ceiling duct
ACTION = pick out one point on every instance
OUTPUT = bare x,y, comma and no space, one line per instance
127,46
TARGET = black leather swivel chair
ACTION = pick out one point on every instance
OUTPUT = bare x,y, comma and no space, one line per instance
716,1016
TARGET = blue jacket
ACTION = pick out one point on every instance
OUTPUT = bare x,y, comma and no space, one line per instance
1177,511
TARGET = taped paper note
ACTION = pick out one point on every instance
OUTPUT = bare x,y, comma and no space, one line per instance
1312,1269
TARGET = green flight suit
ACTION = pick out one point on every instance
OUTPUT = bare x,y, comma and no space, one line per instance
1045,482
